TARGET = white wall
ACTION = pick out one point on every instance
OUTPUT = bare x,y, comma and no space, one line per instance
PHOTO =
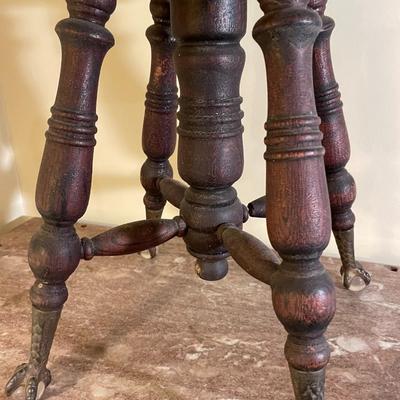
366,49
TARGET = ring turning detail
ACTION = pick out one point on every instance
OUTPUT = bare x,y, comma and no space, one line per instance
196,43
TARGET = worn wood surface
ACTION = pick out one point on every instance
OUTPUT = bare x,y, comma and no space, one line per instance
298,212
64,181
209,62
199,42
159,126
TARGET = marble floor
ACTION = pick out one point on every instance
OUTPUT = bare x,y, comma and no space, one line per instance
142,329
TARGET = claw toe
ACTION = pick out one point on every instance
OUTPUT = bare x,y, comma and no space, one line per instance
31,389
46,377
35,385
17,379
355,278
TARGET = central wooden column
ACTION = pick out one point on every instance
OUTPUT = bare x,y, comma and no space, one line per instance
209,63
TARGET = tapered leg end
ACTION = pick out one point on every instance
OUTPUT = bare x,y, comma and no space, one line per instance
308,385
153,251
354,276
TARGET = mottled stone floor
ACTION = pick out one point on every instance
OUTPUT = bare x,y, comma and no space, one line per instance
151,330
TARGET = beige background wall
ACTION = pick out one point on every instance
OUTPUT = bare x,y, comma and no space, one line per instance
11,201
366,48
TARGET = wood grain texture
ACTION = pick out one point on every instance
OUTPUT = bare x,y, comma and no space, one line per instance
199,42
64,181
298,213
209,62
341,185
132,237
159,126
251,254
172,190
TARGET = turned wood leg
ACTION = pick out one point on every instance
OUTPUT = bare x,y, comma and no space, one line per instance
64,181
209,62
159,126
341,185
298,213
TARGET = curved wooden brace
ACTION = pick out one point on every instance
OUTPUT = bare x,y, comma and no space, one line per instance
132,238
251,254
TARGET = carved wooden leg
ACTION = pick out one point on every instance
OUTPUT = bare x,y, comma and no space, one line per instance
341,185
298,213
209,62
64,180
159,127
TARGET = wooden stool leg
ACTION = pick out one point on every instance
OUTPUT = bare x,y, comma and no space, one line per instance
64,181
209,62
298,213
159,127
341,185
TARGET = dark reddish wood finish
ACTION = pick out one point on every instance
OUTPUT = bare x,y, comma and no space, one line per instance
173,191
250,253
64,180
336,141
298,213
159,127
341,185
258,208
209,63
132,238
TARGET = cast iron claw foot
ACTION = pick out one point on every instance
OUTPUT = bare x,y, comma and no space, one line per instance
355,278
35,382
34,376
308,385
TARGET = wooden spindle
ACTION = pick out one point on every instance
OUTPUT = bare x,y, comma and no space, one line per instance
209,63
298,213
159,126
341,185
64,180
